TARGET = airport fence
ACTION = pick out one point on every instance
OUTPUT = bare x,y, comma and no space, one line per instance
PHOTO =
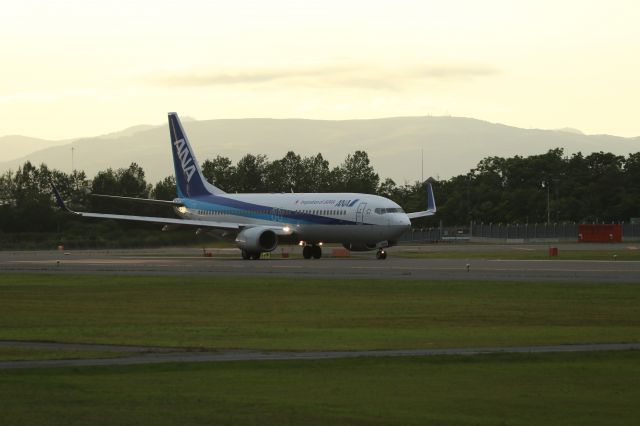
528,232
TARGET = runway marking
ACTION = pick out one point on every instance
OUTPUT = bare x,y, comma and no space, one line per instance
86,262
563,260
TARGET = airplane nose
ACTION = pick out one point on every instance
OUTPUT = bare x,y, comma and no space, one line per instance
403,220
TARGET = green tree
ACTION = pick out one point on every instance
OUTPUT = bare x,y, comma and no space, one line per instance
31,207
250,173
285,175
165,189
388,189
316,175
123,182
604,189
356,174
131,182
221,173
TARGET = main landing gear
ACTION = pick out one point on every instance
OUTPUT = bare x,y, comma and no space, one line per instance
246,255
314,251
381,254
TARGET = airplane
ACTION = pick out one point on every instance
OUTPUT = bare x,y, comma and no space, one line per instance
259,222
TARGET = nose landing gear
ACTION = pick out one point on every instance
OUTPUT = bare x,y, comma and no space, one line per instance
381,254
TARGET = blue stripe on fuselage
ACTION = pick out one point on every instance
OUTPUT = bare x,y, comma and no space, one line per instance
257,211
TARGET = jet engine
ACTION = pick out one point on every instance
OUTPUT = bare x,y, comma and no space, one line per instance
257,239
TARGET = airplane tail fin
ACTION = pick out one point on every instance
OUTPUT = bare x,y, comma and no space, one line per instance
189,179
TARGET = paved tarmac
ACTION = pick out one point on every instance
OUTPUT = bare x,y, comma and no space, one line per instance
226,262
148,355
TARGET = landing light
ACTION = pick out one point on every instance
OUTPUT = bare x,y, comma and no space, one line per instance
320,243
182,209
286,229
301,243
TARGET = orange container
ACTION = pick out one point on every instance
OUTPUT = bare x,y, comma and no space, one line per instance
339,252
601,233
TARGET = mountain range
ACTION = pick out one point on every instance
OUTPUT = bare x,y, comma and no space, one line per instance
449,145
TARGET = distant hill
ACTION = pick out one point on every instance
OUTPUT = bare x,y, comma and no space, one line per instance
452,145
15,146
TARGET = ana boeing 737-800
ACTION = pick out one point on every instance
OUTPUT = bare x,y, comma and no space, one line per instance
260,221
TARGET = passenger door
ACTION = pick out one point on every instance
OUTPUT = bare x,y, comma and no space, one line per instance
360,213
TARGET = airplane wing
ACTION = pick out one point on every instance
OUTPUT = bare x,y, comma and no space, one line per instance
150,219
431,205
141,200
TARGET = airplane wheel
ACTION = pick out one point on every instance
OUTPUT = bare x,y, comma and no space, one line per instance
306,252
246,255
255,256
317,252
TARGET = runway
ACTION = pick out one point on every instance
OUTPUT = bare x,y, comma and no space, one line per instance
147,355
226,262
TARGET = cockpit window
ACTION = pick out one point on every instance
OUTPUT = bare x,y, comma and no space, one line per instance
388,210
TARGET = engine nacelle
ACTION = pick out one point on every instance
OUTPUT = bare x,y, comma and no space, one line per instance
257,239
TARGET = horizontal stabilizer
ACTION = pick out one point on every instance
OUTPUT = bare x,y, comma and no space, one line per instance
141,200
163,220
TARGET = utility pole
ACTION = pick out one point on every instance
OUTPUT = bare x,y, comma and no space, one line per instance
548,206
72,165
422,175
545,184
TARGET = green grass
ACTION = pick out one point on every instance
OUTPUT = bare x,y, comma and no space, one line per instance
617,254
295,314
24,354
567,389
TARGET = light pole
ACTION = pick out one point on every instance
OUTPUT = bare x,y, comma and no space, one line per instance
548,206
546,184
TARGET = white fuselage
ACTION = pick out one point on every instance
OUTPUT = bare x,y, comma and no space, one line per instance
313,217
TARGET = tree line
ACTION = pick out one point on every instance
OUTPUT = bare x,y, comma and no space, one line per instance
600,187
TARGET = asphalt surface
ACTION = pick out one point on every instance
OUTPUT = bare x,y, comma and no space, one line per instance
165,355
226,262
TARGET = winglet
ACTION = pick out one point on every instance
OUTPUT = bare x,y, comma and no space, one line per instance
59,200
431,201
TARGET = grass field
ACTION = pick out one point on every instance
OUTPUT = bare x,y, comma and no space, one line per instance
515,389
566,389
23,354
291,314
